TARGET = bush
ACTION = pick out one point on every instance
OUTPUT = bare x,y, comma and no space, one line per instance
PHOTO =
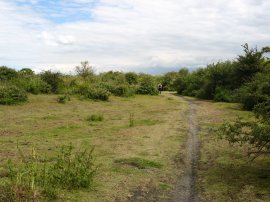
7,73
93,92
12,95
147,86
63,99
222,95
123,91
72,170
98,94
36,86
53,79
131,78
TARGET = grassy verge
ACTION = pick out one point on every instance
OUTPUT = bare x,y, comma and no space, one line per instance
225,173
128,158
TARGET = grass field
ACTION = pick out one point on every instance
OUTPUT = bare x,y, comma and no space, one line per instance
137,144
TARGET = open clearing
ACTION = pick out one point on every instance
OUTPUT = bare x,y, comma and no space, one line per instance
145,162
157,135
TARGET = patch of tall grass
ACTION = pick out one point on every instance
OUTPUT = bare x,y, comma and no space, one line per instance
36,178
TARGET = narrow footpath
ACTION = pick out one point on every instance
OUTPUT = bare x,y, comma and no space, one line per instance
186,186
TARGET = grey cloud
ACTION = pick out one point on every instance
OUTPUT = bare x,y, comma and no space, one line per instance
130,35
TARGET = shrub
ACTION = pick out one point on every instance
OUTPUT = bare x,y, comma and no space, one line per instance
98,94
72,170
131,78
36,86
147,86
123,91
53,79
7,73
95,118
93,92
12,95
63,99
222,95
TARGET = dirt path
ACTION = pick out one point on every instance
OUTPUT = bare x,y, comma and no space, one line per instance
186,186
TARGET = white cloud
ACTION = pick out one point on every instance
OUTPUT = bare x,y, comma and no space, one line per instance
133,34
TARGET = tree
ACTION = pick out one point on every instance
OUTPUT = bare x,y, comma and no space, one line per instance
250,63
85,70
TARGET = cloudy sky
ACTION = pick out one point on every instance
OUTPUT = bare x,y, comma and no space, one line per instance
152,36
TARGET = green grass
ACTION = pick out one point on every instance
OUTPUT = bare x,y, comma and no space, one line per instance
46,125
225,172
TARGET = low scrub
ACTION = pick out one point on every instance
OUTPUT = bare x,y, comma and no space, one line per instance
123,91
36,179
147,86
63,99
93,92
95,118
12,95
36,86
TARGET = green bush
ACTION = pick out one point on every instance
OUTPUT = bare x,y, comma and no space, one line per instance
63,99
222,95
123,91
7,73
72,170
147,86
131,78
98,94
12,95
93,92
53,79
36,86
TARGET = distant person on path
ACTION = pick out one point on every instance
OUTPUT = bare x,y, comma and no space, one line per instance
160,88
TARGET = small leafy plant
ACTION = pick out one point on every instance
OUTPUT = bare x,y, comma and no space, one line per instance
95,118
63,99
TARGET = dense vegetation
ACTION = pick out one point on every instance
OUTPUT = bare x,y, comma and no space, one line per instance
245,80
15,84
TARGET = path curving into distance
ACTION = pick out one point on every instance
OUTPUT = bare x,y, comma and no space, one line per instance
186,186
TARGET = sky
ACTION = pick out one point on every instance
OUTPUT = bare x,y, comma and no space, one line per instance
129,35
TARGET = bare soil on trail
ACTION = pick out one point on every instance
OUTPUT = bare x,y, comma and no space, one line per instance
185,190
